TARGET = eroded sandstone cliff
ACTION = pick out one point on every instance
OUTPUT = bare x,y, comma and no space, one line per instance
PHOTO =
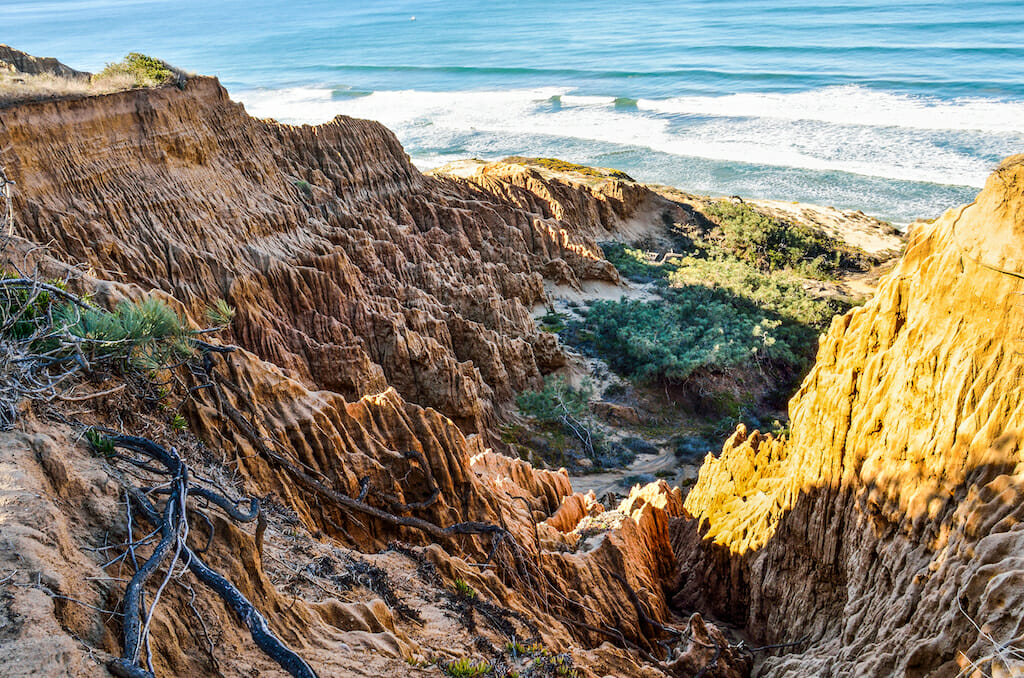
350,269
383,321
885,530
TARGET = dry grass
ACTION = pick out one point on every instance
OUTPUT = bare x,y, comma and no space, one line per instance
17,87
556,165
134,71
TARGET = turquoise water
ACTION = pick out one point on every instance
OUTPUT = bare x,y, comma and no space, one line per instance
897,109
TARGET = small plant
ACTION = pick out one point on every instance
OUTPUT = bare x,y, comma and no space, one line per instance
220,314
305,187
464,590
467,668
555,665
516,649
100,445
179,423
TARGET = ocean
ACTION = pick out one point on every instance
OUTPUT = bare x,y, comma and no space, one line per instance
898,109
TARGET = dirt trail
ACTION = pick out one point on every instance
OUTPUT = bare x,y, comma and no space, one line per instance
647,465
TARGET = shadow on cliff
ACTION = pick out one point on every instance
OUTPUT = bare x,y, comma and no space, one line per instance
846,568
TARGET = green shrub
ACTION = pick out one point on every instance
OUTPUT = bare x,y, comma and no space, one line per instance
719,315
148,334
772,245
557,165
568,430
22,310
464,590
467,668
779,293
694,331
632,263
145,335
552,322
139,70
556,399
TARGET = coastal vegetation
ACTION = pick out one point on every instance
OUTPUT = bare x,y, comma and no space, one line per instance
726,327
556,165
722,322
467,667
49,337
138,70
773,245
564,429
134,71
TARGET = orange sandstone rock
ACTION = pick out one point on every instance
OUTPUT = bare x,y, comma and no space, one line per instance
886,530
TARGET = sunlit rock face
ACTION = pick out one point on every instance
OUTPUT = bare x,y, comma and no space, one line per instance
888,524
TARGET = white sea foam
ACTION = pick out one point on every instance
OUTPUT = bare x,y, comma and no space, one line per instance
854,105
846,129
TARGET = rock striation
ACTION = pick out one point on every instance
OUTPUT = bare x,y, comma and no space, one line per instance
885,530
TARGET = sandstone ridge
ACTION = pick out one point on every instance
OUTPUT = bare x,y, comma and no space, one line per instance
885,531
17,61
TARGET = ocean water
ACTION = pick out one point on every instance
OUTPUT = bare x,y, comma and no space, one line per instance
899,109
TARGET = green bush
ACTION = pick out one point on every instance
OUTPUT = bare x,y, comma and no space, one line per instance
632,263
722,311
557,165
467,668
695,330
568,430
144,335
149,334
23,310
780,293
142,70
774,245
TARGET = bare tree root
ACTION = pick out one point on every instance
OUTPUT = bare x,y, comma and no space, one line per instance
171,521
7,224
344,500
